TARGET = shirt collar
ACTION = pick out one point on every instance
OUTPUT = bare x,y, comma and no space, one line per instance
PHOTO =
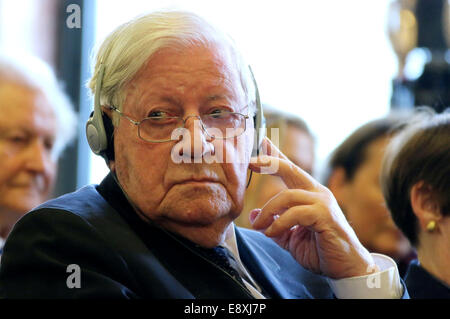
230,242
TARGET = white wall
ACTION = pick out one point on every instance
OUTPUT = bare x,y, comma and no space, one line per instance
29,26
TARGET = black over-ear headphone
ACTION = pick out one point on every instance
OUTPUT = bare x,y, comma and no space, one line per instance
99,127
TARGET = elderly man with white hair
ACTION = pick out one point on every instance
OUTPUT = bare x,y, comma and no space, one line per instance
36,123
175,111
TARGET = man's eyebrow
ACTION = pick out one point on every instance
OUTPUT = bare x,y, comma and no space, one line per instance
155,100
169,99
16,127
4,131
217,97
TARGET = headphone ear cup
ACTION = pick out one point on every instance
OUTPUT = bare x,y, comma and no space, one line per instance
259,121
95,127
95,133
108,153
259,126
256,146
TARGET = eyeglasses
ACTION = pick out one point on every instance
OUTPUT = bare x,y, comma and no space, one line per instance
159,127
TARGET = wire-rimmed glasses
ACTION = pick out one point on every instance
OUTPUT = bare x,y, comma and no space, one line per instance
219,124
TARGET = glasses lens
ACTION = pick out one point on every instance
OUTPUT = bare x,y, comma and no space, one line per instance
228,124
159,128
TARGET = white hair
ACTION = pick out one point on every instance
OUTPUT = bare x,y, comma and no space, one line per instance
128,48
29,71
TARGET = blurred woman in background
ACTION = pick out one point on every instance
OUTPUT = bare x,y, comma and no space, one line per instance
416,186
36,123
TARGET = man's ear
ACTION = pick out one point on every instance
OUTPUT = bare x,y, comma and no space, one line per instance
338,183
424,204
107,111
112,166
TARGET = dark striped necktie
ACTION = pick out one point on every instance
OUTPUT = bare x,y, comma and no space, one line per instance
222,257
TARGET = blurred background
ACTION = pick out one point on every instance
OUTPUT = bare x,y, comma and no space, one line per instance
336,64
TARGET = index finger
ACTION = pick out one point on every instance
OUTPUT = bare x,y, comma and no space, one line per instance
292,175
269,148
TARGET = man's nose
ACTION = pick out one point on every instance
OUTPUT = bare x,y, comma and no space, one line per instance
37,157
200,142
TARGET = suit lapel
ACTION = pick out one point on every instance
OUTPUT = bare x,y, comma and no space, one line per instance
263,268
179,257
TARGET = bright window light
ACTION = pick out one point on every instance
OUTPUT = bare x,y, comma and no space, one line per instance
328,61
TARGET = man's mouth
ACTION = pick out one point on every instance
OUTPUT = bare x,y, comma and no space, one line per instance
37,184
196,181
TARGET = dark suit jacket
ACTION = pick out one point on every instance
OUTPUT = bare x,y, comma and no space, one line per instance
422,285
120,256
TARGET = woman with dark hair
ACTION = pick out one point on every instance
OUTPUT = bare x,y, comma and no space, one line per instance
353,177
416,186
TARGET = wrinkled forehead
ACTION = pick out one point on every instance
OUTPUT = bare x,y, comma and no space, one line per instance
25,107
197,67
